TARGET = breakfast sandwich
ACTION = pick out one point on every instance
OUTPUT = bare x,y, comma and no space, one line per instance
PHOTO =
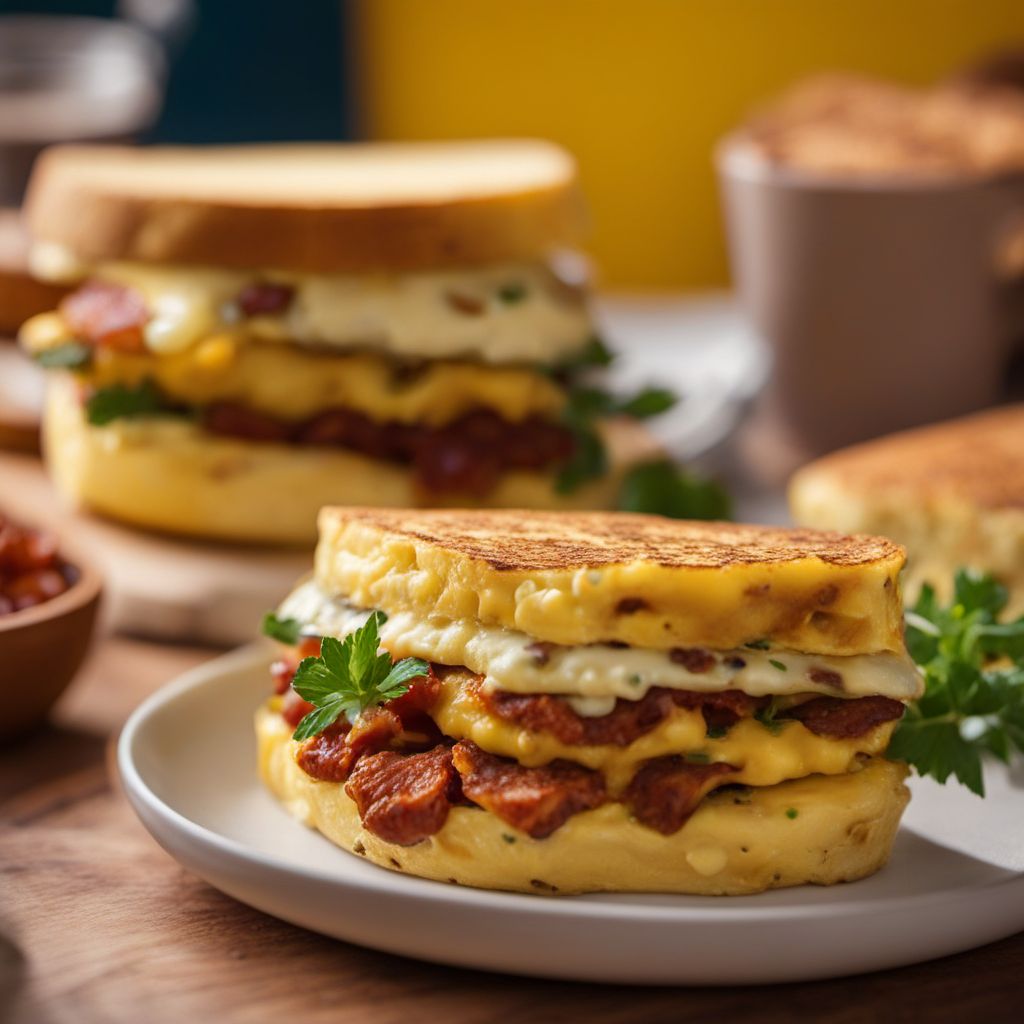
570,702
952,493
256,332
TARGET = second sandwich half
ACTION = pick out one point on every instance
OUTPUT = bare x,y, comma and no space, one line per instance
261,331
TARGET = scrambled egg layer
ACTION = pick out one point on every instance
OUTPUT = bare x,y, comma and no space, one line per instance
294,383
816,830
763,757
798,601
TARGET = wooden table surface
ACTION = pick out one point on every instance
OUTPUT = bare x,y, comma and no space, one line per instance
97,923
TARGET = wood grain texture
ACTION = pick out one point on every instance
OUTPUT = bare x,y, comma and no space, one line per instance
97,923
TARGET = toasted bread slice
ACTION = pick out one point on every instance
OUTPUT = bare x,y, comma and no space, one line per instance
952,493
589,577
318,208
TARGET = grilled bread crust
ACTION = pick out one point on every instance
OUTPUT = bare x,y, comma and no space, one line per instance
590,577
317,208
952,493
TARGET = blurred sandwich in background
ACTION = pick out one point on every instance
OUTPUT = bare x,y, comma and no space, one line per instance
953,494
257,332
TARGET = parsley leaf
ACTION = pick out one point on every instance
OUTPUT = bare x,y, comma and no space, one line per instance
665,489
587,403
512,293
589,461
287,631
107,404
973,667
350,676
767,717
649,402
72,355
595,353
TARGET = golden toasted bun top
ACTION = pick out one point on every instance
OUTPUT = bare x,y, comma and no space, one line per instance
586,577
327,208
977,460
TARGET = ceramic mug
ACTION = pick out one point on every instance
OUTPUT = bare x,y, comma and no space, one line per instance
886,302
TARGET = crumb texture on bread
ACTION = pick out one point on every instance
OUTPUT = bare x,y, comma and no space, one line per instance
356,207
641,580
738,841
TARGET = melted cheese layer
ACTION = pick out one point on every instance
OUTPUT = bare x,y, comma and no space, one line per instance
508,659
291,383
505,313
762,756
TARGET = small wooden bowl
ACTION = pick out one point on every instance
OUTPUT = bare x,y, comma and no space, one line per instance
41,648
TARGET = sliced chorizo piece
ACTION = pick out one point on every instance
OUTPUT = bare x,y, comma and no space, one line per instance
844,718
536,801
330,755
106,314
720,710
232,419
667,790
413,707
404,798
626,722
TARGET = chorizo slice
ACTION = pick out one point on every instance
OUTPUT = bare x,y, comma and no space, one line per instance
107,314
844,718
667,790
626,722
264,298
720,710
404,798
330,755
544,713
536,801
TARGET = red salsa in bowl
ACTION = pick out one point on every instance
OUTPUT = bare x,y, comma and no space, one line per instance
31,568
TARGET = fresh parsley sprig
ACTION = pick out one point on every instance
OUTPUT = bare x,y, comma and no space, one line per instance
594,354
664,488
107,404
350,676
286,631
973,668
71,355
587,403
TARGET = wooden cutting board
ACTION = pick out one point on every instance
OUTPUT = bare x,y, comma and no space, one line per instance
156,586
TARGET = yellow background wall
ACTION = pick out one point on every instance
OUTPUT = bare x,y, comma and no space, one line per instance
639,90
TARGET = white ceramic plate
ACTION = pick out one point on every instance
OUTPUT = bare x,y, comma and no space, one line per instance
187,757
